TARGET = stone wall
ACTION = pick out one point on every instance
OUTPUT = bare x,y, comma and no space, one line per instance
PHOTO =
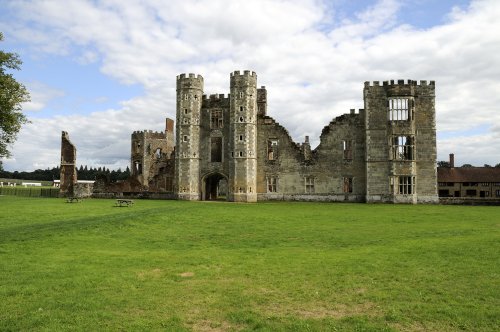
68,174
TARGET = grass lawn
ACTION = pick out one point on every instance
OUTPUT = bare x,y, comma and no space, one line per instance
182,266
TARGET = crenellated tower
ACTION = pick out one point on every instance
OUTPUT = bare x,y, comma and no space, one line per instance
187,160
242,186
400,142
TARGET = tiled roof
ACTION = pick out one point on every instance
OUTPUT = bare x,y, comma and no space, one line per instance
468,174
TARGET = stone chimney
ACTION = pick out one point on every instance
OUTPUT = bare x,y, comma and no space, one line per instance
452,160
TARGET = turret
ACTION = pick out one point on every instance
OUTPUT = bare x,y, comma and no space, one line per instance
187,161
243,135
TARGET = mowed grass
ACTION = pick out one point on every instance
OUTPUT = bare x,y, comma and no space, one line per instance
202,266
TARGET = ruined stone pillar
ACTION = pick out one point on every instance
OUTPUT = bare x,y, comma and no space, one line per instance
68,167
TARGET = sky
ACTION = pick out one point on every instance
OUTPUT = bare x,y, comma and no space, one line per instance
103,69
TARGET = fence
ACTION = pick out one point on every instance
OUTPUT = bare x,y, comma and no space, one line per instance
29,191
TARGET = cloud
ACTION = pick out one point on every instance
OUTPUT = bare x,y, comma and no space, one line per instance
40,94
313,64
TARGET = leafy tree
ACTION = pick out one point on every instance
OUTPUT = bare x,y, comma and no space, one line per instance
487,165
497,165
12,94
443,163
467,165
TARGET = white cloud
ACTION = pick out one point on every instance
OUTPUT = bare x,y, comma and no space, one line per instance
312,75
40,95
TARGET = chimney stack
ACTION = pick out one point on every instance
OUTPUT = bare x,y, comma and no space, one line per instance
452,160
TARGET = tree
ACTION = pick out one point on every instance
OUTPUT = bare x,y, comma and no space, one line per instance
12,95
497,165
443,163
467,165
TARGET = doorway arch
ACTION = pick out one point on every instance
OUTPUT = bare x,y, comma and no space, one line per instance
214,187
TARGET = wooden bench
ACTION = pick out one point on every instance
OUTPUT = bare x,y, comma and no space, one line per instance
124,202
73,200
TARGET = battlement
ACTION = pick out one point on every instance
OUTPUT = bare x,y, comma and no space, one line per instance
245,73
148,134
399,82
219,96
189,76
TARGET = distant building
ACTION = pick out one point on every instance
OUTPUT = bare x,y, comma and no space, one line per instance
468,182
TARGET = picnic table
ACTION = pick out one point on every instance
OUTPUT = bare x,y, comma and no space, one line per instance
124,202
73,200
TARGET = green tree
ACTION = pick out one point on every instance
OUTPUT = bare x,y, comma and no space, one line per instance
12,95
443,163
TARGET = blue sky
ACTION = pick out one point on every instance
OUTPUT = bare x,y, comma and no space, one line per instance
102,69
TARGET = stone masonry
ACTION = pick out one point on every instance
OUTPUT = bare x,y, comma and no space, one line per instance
227,147
68,164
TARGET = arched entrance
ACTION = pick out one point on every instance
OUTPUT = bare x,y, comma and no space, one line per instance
215,187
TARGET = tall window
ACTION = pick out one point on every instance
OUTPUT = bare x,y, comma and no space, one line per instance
216,120
347,150
406,185
309,184
216,149
402,148
272,184
399,109
347,188
272,149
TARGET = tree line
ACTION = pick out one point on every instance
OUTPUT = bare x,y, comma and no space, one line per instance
443,163
84,173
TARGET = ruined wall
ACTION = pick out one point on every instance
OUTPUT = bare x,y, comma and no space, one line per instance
291,171
150,155
68,174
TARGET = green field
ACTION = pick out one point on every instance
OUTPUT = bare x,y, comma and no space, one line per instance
202,266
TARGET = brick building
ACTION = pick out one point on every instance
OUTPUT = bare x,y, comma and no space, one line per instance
469,182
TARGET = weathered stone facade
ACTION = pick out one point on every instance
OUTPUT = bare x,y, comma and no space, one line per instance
227,146
151,158
68,167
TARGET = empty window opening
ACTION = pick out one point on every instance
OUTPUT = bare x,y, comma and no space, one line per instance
241,119
309,184
241,153
216,149
347,188
272,149
241,94
158,153
497,193
403,148
347,149
216,120
272,184
186,96
241,108
406,185
241,137
186,111
399,109
138,168
185,138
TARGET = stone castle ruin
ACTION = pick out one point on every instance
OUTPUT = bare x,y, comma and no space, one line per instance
228,147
